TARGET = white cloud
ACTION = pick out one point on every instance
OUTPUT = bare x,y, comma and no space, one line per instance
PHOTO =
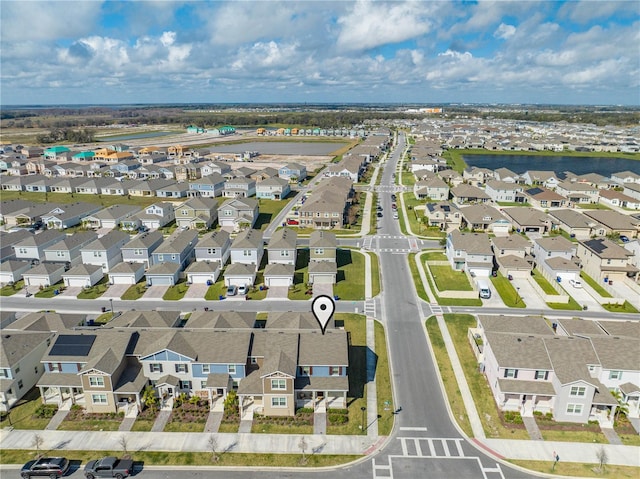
585,11
371,24
504,31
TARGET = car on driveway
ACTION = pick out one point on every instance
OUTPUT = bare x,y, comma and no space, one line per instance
232,290
624,239
243,289
51,467
576,283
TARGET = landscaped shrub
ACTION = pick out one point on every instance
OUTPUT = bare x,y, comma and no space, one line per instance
512,417
46,411
338,419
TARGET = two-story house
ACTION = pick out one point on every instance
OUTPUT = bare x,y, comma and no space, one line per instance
154,216
33,246
513,255
293,172
555,255
282,247
248,248
140,248
273,189
444,214
177,248
433,188
606,261
505,192
214,246
208,186
470,252
197,213
105,251
68,249
239,187
238,213
323,248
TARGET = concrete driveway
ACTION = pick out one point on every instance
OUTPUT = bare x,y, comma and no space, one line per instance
627,292
495,301
582,296
71,291
115,291
528,294
155,292
278,292
322,289
196,291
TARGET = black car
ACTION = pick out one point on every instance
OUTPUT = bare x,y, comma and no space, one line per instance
379,215
393,197
52,467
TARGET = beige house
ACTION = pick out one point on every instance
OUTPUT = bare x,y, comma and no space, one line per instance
604,260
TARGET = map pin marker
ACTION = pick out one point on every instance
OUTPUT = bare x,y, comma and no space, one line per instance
323,308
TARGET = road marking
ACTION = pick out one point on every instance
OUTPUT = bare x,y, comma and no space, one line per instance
413,428
403,443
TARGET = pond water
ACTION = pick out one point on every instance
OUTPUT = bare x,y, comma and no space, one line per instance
136,136
579,165
281,148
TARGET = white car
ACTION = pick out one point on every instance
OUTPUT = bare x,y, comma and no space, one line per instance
576,283
242,290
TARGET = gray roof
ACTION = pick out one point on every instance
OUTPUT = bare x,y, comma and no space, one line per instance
71,242
515,324
15,345
201,203
47,322
559,263
279,269
513,350
322,239
248,238
240,203
214,239
178,242
481,214
613,219
514,241
621,328
606,249
203,267
582,327
570,357
47,236
126,267
144,240
280,351
107,241
145,319
329,349
514,262
617,353
294,320
240,269
469,191
322,267
13,265
116,211
284,238
472,243
221,320
527,216
44,269
555,243
572,218
83,270
163,269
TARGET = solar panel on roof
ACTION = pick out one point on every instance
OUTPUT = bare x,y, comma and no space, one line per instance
534,191
596,246
73,345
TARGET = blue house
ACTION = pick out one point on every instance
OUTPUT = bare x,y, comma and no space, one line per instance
208,186
177,248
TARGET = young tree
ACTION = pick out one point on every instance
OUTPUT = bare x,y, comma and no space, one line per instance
149,398
37,443
213,447
303,448
603,458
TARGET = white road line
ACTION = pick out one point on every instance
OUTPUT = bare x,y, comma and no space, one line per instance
416,441
446,448
403,443
413,428
431,450
459,447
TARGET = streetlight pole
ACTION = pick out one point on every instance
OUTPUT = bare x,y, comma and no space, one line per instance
112,312
517,294
363,409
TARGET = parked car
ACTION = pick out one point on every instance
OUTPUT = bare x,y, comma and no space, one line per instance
108,467
379,214
243,289
394,206
395,215
624,239
393,197
576,283
45,467
232,290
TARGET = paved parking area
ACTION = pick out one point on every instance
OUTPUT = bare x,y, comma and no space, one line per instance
495,301
196,291
115,291
155,292
528,294
278,292
627,292
582,296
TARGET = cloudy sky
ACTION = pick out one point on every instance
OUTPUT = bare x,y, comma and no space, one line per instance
575,52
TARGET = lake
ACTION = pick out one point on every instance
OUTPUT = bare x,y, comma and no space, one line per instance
579,165
281,148
136,136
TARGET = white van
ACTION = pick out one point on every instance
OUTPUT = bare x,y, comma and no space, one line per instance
483,289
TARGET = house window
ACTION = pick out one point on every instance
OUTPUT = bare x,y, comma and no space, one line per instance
17,369
541,374
211,251
615,374
22,250
335,371
20,384
96,381
184,212
182,368
319,251
511,373
59,254
228,212
335,215
231,368
4,373
278,384
36,370
203,384
54,367
305,370
185,385
284,252
206,368
99,398
278,402
574,409
173,256
160,257
246,252
254,360
97,254
155,367
137,252
608,261
578,391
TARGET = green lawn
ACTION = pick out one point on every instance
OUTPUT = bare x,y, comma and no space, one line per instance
24,414
572,305
49,292
513,203
269,209
375,274
573,436
350,279
543,283
449,280
176,292
95,291
135,291
413,267
507,292
355,324
575,469
10,290
458,325
216,290
102,200
435,256
593,206
301,277
448,377
626,307
383,383
560,232
595,285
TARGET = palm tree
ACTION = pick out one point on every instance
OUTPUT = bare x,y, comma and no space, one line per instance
623,406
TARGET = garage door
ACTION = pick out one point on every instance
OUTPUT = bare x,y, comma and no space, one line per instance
76,282
278,281
122,280
322,279
238,281
200,278
160,281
